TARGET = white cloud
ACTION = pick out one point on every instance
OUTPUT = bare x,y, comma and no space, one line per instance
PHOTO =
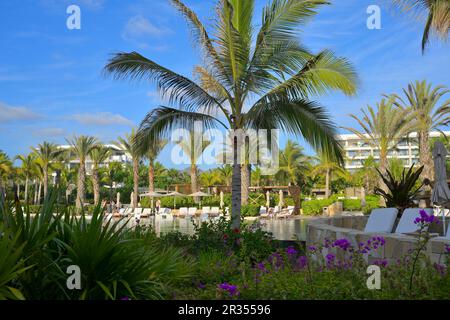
100,119
50,132
10,113
138,27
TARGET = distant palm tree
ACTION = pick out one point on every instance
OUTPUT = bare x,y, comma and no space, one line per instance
209,178
47,153
127,144
151,154
369,173
328,167
438,16
226,172
81,147
194,150
5,169
383,128
28,168
423,100
293,163
261,80
98,156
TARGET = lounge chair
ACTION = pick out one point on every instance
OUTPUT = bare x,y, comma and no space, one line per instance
128,211
263,212
206,210
120,213
286,212
192,211
183,212
215,212
146,212
406,223
137,213
381,220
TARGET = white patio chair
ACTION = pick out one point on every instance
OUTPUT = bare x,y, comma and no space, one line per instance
286,212
381,220
215,212
183,212
206,210
406,223
192,211
146,212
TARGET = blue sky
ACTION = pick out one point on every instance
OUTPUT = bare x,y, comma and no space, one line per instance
52,87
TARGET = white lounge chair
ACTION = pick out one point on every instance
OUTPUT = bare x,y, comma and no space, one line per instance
381,220
192,211
286,212
215,212
263,213
206,210
406,223
128,211
146,212
183,212
137,213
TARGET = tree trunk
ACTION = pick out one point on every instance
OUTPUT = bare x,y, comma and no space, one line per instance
26,190
35,192
245,183
45,181
151,176
39,193
295,192
383,167
327,184
425,156
80,185
2,193
135,182
236,189
194,181
96,185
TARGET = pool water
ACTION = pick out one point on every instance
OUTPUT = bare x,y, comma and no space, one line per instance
282,229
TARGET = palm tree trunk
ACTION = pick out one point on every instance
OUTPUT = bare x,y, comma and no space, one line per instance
425,156
96,185
39,193
151,176
80,185
26,190
245,183
135,182
235,190
383,167
194,181
327,183
2,193
35,192
45,181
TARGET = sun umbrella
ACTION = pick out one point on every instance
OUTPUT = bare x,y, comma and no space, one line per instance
175,194
151,194
441,193
222,203
200,195
281,200
118,199
267,199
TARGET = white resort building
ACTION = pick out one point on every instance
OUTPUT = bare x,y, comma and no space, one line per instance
356,150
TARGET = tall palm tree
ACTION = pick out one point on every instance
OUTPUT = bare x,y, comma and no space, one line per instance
28,168
226,171
437,16
328,166
47,153
369,173
209,178
194,150
151,155
383,128
293,163
424,101
81,147
261,80
98,155
5,169
127,144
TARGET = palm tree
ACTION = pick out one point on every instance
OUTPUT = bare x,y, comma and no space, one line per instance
152,154
82,147
328,167
423,100
129,147
261,80
226,172
47,153
5,169
209,178
369,173
28,168
383,128
194,150
438,16
293,163
98,156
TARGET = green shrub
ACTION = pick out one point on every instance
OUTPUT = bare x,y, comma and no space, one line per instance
250,210
315,207
352,204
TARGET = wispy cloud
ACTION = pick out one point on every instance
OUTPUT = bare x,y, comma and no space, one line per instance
11,113
138,28
100,119
49,132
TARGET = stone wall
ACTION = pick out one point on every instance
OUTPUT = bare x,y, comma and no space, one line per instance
351,228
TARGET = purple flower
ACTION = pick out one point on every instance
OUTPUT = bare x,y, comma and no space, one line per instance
425,219
291,251
381,262
125,298
261,266
440,268
301,262
312,248
447,248
344,244
231,289
201,286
